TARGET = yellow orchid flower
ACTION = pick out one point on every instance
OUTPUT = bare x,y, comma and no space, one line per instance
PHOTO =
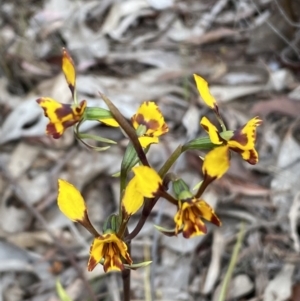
149,116
61,116
145,183
189,214
242,141
107,246
112,249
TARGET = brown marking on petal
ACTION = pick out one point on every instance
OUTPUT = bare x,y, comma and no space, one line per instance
65,110
85,222
165,128
237,150
40,101
215,220
128,259
253,157
242,139
72,89
196,210
216,109
92,263
192,228
51,130
69,123
80,108
115,261
151,124
125,214
205,127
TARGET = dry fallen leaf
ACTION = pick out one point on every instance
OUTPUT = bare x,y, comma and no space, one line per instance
240,286
280,288
215,263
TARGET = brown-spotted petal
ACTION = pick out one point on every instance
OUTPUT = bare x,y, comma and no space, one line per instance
61,116
112,249
243,140
207,212
151,117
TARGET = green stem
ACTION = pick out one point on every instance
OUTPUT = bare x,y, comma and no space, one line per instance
168,164
223,127
232,264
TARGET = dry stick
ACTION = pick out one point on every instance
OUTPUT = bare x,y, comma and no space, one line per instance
20,194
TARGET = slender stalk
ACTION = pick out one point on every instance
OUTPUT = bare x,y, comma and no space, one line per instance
149,204
126,284
127,128
222,124
172,159
168,197
207,180
232,264
126,273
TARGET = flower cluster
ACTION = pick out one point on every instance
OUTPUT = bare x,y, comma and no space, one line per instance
141,186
